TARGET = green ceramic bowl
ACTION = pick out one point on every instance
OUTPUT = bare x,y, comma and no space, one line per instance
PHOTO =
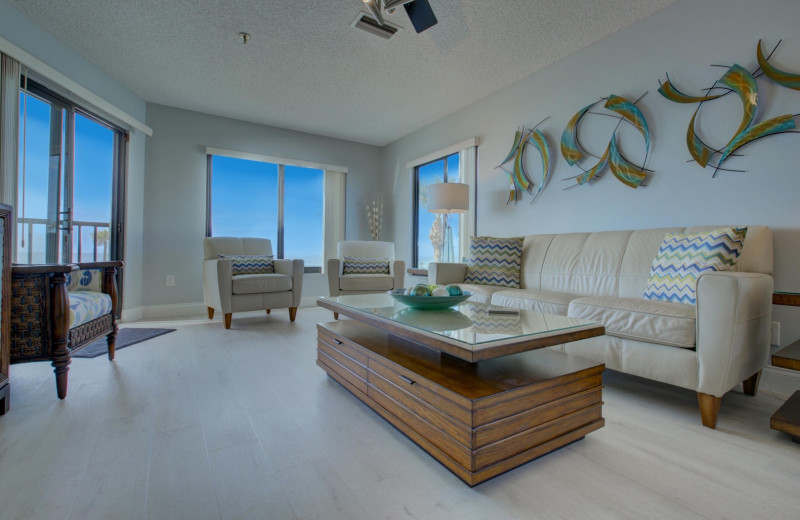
428,302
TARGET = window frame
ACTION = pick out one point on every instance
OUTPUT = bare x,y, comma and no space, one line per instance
281,164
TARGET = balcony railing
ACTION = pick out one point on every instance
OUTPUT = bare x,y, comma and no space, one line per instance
36,229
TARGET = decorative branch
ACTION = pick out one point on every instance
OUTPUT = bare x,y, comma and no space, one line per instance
375,216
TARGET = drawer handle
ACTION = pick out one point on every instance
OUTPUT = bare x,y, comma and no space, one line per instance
407,380
338,342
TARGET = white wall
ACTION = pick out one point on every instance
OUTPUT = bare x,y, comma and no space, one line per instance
23,33
683,40
175,195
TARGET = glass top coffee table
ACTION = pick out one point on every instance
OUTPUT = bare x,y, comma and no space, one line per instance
474,389
470,331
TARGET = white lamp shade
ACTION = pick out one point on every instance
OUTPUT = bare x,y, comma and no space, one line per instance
448,197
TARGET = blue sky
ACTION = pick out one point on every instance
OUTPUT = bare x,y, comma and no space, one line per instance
245,203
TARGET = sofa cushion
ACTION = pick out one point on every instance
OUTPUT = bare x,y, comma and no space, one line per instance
251,264
366,282
261,283
85,306
359,265
683,257
480,293
494,261
550,302
650,321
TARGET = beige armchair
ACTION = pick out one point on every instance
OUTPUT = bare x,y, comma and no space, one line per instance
253,290
342,281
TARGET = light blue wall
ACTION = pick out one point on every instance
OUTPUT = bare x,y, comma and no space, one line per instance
23,33
175,192
683,40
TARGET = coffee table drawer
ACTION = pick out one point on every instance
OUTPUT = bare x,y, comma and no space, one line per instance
436,396
340,369
437,418
343,345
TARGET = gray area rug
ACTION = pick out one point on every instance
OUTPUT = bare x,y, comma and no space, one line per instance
125,338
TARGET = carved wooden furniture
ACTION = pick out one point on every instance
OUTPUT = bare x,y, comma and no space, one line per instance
48,325
478,419
5,304
787,418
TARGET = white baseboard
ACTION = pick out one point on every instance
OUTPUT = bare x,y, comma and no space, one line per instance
780,381
132,314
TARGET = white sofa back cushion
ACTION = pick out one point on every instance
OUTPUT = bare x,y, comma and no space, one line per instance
617,263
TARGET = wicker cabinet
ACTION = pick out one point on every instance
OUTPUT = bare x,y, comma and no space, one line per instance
5,304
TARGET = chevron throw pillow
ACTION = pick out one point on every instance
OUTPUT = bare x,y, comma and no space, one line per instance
356,265
494,261
682,258
251,264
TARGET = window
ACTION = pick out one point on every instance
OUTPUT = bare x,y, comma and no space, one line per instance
429,228
69,188
254,197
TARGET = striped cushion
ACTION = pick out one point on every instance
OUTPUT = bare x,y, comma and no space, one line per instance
682,258
251,264
356,265
494,261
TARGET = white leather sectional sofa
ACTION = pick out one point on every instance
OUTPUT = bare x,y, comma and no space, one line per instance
709,347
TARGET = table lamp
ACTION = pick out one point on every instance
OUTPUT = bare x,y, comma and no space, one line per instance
448,198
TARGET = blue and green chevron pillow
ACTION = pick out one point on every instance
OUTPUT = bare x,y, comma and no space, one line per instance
356,265
494,261
251,264
682,258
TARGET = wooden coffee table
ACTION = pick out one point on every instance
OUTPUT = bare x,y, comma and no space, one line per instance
515,403
787,418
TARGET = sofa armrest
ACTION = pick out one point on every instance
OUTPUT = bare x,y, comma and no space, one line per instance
734,311
334,272
399,275
440,273
294,270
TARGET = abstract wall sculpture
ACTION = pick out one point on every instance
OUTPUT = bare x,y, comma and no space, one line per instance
742,82
626,172
518,178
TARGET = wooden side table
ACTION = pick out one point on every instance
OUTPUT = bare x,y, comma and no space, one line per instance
787,418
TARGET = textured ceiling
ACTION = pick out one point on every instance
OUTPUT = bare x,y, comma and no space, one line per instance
307,69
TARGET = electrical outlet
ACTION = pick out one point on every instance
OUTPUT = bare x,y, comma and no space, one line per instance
775,333
170,280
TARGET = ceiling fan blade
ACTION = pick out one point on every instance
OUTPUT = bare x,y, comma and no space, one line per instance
421,15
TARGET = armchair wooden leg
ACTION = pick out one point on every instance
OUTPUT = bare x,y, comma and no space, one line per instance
292,313
5,400
709,409
112,343
59,310
210,313
269,310
228,317
335,315
750,385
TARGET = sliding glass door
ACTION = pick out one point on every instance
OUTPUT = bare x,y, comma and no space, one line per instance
69,200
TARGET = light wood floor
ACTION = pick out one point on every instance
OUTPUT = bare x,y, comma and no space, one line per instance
205,423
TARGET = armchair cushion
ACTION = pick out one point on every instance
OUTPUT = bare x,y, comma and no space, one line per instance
366,282
358,265
251,264
85,280
261,283
85,306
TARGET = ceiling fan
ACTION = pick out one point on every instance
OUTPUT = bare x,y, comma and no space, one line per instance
419,11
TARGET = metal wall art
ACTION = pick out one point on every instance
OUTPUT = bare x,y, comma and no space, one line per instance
518,178
626,172
741,82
